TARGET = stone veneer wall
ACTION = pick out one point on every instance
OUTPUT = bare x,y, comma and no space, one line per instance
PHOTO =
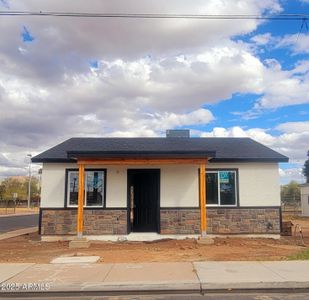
173,221
222,221
96,221
180,221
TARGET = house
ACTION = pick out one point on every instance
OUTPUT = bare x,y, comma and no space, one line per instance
304,198
98,187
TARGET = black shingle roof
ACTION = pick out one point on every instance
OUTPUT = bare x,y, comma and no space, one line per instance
220,149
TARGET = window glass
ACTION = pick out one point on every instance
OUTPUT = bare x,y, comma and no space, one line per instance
227,188
221,187
212,188
94,188
73,188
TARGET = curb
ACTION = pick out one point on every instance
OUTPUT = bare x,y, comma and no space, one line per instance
153,291
272,287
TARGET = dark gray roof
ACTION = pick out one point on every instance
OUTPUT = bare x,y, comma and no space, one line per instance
220,149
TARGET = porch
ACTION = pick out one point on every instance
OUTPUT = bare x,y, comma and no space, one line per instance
143,212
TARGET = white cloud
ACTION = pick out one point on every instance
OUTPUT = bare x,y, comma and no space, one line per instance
280,87
294,127
4,161
120,93
68,39
299,43
287,175
149,78
172,120
292,143
262,39
154,124
257,134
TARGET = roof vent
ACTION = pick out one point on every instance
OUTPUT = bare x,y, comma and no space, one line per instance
178,133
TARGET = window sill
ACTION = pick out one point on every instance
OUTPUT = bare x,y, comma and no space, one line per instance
86,207
220,206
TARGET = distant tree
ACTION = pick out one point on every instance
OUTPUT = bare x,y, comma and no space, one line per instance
2,191
306,168
19,185
290,193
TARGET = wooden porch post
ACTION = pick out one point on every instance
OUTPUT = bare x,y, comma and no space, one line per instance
202,192
81,196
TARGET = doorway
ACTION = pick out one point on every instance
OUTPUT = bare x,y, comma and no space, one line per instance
143,200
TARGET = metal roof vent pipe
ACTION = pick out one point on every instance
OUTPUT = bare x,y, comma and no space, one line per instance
178,133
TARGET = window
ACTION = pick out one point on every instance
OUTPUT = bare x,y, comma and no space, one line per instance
221,188
94,188
73,188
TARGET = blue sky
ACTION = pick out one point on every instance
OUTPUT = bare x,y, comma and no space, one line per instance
287,59
75,77
26,35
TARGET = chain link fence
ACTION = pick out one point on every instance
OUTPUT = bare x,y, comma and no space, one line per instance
18,206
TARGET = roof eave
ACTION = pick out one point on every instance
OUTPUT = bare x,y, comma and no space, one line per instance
140,154
52,160
259,159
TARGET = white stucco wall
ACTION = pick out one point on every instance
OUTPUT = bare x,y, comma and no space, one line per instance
304,192
116,187
53,184
258,182
179,186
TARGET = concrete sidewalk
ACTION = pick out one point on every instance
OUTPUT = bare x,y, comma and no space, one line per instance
18,232
19,214
164,277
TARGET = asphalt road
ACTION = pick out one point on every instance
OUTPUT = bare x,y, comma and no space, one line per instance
228,296
11,223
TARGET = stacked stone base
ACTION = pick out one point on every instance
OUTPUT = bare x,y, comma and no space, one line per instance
222,221
180,221
172,221
96,221
243,220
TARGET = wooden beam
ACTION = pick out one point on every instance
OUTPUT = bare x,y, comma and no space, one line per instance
202,193
81,196
141,161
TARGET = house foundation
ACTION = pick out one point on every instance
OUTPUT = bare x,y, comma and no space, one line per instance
173,221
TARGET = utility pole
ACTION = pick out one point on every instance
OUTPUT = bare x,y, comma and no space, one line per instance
29,183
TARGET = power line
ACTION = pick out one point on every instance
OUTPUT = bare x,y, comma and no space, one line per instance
304,23
294,17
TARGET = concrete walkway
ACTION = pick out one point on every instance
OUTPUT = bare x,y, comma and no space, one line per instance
18,232
164,277
16,214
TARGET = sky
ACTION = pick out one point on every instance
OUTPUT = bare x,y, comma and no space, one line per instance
65,77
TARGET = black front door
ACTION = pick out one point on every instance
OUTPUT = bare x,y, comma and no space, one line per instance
143,200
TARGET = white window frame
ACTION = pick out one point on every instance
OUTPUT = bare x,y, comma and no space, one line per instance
219,196
85,189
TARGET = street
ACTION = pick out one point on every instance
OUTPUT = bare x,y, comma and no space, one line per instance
11,223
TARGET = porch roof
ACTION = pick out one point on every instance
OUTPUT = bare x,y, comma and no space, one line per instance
218,149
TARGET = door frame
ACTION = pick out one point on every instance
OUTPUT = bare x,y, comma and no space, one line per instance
138,171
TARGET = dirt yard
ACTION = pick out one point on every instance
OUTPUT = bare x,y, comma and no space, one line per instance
30,249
